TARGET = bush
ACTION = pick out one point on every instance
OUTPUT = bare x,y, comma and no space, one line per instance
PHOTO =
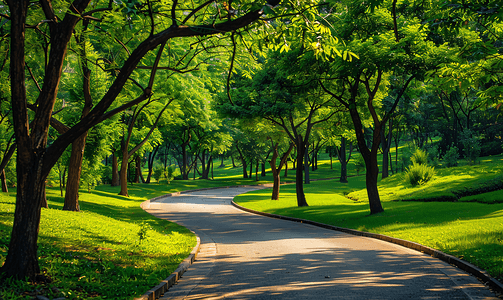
433,156
359,163
419,157
471,146
419,174
158,173
451,157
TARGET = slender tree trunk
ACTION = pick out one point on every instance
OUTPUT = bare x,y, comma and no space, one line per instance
124,171
5,189
251,168
256,170
276,171
370,157
184,171
286,169
115,171
299,172
3,164
341,154
137,168
151,157
385,146
243,162
221,162
306,165
233,162
74,172
263,170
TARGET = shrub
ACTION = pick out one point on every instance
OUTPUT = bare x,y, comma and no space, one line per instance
419,174
419,157
471,146
158,172
359,163
451,157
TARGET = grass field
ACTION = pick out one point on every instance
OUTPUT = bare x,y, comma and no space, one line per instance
471,231
113,249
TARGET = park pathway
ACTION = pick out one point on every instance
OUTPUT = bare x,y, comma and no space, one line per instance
246,256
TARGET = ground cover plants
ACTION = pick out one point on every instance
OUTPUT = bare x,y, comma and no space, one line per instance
469,230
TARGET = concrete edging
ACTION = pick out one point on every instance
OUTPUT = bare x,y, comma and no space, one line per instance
461,264
157,291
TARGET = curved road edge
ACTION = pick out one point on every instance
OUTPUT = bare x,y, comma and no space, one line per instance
461,264
157,291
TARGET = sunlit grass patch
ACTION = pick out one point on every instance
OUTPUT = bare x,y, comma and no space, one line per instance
471,231
99,252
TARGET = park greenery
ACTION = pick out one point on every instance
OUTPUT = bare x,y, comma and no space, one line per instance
140,98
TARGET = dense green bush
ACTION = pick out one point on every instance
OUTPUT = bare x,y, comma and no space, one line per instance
419,174
158,173
419,157
471,146
359,163
451,157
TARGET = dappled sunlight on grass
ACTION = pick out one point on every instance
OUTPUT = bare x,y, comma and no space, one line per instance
472,231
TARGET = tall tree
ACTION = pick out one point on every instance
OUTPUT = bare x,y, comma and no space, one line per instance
58,22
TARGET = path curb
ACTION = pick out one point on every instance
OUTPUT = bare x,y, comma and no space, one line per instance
461,264
157,291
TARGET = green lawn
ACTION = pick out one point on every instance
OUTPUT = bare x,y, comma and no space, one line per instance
98,252
471,231
101,252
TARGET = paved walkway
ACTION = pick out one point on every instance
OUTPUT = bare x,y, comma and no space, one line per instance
245,256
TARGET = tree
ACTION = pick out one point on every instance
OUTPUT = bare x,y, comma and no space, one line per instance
384,47
290,101
35,157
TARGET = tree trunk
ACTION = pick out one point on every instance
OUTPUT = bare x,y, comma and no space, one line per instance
115,171
299,172
3,164
370,157
5,189
74,172
137,168
251,168
221,162
263,174
385,146
256,170
341,155
306,165
243,162
22,256
123,172
276,171
286,169
184,171
151,157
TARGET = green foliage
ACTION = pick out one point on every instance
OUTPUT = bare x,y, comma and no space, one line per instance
419,157
471,146
433,156
419,174
359,163
451,157
158,173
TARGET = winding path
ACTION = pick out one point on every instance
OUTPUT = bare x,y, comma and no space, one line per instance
246,256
